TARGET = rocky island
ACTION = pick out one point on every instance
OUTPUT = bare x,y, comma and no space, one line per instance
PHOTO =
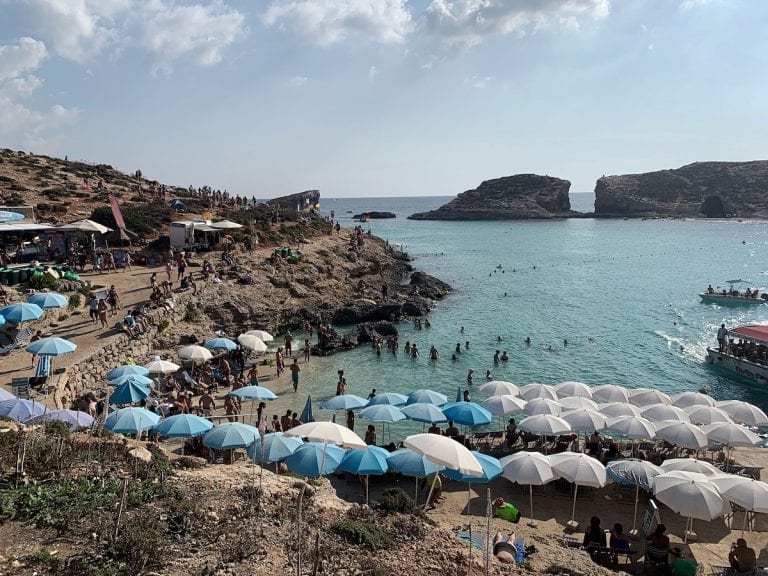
701,189
518,197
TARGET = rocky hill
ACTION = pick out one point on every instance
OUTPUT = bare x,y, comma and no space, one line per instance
519,197
701,189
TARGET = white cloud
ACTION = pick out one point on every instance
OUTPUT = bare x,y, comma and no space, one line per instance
19,122
466,23
197,32
327,22
372,72
690,4
297,81
479,82
22,57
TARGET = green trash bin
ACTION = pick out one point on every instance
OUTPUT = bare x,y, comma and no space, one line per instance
24,274
13,277
4,277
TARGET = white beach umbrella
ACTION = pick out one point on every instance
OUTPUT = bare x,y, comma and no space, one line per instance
691,495
328,432
580,469
542,406
499,388
502,405
707,414
577,403
226,225
633,427
687,399
544,425
531,468
572,388
610,393
682,434
585,420
445,451
750,494
195,353
744,412
252,342
159,366
261,334
535,390
689,465
616,409
731,434
648,396
659,412
86,225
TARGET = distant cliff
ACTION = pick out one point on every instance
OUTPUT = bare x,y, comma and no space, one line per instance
701,189
300,201
519,197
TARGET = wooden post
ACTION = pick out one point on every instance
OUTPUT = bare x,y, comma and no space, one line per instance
120,509
317,554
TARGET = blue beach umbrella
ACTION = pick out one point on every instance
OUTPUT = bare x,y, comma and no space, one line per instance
126,370
427,397
131,420
371,461
51,347
254,393
382,413
391,398
75,419
183,426
128,393
21,410
422,412
8,216
274,447
231,435
134,378
344,402
48,300
2,319
633,472
315,459
467,413
21,312
491,470
5,395
307,415
220,344
409,463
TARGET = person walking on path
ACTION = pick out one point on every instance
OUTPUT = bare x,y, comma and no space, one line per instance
295,374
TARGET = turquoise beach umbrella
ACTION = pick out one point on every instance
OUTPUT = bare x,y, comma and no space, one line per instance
371,461
231,435
274,447
131,420
344,402
51,347
382,413
392,398
220,344
427,397
48,300
183,426
254,393
315,459
135,378
307,415
409,463
21,312
2,319
128,393
491,470
125,370
467,413
421,412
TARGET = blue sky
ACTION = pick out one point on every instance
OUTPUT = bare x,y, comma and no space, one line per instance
384,97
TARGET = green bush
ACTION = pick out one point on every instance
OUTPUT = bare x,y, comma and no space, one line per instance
62,317
363,534
396,500
43,282
75,301
190,314
162,326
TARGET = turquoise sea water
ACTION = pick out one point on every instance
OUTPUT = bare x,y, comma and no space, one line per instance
631,285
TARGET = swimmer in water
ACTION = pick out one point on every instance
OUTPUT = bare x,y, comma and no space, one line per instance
462,330
527,340
565,342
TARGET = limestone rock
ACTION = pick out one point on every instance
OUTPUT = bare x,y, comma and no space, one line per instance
701,189
523,196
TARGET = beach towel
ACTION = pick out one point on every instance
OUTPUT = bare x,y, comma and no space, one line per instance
477,538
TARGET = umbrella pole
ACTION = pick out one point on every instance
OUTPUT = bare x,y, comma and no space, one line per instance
530,495
429,496
634,518
322,462
469,496
575,492
416,492
744,523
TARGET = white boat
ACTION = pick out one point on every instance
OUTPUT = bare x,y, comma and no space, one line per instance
745,353
732,296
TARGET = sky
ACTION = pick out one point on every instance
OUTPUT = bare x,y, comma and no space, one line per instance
362,98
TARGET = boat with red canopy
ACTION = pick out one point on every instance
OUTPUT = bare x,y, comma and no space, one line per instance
745,353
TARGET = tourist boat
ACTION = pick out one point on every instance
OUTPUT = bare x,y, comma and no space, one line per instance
732,296
745,353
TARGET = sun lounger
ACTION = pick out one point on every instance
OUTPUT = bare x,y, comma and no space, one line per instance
728,571
20,387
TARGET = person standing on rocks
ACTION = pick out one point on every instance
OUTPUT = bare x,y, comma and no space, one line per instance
295,369
288,344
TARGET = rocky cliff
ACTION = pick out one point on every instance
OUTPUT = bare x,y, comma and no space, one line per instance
523,196
701,189
307,200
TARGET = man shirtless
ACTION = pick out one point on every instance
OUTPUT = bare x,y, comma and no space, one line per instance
207,403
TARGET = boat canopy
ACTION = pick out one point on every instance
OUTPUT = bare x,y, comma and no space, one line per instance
754,333
739,281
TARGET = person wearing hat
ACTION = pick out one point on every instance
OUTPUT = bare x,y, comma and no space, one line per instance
742,557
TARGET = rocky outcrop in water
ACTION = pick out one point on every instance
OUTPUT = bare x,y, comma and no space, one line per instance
701,189
374,215
519,197
300,201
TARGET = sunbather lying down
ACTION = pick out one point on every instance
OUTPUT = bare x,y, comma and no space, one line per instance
504,547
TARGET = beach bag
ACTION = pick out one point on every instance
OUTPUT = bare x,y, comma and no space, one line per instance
509,513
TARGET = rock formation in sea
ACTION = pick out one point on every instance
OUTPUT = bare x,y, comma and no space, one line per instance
374,215
299,201
701,189
519,197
